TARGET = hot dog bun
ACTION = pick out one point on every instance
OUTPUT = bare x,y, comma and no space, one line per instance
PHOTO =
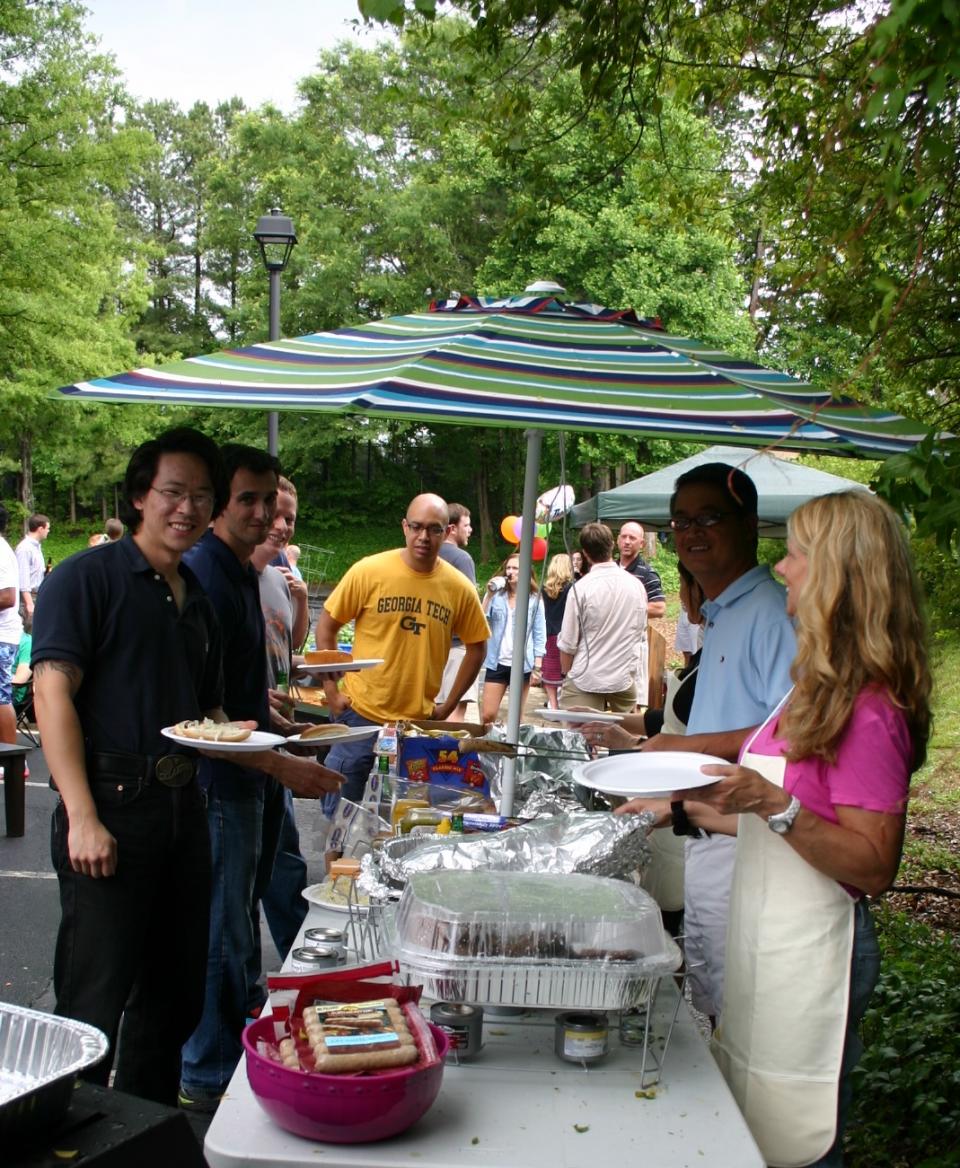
210,731
321,730
326,657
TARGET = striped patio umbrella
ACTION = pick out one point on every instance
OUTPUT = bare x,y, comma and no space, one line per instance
531,361
524,361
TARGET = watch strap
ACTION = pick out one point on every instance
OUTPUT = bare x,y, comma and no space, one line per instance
681,821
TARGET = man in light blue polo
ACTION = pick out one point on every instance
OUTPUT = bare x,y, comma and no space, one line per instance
748,647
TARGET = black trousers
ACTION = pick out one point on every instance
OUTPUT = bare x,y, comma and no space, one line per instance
133,946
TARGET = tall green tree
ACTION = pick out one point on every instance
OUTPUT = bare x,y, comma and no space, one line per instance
848,114
67,287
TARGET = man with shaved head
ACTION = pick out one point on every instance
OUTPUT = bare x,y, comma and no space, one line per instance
407,605
630,544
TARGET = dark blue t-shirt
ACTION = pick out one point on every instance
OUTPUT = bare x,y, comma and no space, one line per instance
234,592
145,664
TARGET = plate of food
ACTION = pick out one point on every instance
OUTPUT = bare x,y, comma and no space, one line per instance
577,716
225,736
334,894
325,732
651,774
316,662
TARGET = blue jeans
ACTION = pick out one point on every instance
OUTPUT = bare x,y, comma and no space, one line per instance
283,906
864,971
243,834
353,759
134,945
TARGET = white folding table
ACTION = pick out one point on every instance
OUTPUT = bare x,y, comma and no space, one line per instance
517,1105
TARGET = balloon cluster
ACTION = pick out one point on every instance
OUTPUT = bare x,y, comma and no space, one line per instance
511,527
551,505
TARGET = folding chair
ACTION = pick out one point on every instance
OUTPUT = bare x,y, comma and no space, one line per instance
23,709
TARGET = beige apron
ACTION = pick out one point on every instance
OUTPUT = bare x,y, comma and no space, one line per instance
789,947
663,876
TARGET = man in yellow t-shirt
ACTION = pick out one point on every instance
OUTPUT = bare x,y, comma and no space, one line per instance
407,605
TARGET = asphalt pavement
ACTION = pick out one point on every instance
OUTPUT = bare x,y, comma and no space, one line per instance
29,900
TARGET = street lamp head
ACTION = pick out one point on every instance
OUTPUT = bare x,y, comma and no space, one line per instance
275,234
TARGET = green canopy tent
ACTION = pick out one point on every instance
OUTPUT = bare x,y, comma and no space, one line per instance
782,485
532,362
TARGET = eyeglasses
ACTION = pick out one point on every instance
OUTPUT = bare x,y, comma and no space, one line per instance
202,500
704,519
434,529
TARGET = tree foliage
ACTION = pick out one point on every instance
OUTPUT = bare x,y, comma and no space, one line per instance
69,277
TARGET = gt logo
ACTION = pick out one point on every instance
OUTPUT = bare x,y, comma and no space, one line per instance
411,624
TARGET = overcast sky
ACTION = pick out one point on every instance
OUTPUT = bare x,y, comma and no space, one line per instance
212,50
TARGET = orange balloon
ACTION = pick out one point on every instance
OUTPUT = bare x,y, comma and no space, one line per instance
507,527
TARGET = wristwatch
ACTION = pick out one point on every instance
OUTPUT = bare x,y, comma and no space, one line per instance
783,820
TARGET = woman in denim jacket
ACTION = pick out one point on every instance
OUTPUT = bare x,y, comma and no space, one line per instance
500,605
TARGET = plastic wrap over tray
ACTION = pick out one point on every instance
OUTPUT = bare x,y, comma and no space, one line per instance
595,843
40,1057
528,939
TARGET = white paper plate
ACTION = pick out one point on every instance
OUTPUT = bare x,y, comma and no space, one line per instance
578,716
323,896
258,740
651,775
339,666
345,733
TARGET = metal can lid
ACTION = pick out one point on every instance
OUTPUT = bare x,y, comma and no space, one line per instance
323,936
315,955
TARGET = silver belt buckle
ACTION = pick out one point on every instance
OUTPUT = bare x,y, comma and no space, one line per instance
174,770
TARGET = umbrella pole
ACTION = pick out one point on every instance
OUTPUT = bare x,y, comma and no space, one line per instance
520,621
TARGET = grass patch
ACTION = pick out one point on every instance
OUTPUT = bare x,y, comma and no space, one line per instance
922,857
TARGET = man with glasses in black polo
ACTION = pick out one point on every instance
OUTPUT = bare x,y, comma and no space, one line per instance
407,605
125,642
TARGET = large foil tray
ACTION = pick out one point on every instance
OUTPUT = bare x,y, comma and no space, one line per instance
571,985
40,1058
529,939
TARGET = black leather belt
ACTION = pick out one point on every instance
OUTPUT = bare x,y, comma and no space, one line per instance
172,770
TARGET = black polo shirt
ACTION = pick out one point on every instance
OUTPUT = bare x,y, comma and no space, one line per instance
234,592
145,664
647,577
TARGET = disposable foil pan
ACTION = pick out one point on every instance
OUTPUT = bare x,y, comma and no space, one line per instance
40,1058
570,985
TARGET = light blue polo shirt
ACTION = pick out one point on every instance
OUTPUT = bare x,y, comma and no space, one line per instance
748,647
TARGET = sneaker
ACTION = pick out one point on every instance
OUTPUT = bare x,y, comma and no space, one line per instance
199,1102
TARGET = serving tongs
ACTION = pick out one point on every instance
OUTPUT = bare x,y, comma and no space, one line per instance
519,750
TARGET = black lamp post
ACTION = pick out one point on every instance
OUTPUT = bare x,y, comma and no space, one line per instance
276,237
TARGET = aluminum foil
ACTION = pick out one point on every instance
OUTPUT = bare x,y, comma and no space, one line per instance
595,843
40,1057
547,761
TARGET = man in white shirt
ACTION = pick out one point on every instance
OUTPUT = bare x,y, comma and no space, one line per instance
284,600
603,622
30,560
11,627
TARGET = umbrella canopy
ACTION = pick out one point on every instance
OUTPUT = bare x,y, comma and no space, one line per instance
523,361
531,361
781,486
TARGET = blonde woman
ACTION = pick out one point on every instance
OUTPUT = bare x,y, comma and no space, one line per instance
818,805
500,605
556,586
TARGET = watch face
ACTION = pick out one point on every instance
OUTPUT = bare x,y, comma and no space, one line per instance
783,820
